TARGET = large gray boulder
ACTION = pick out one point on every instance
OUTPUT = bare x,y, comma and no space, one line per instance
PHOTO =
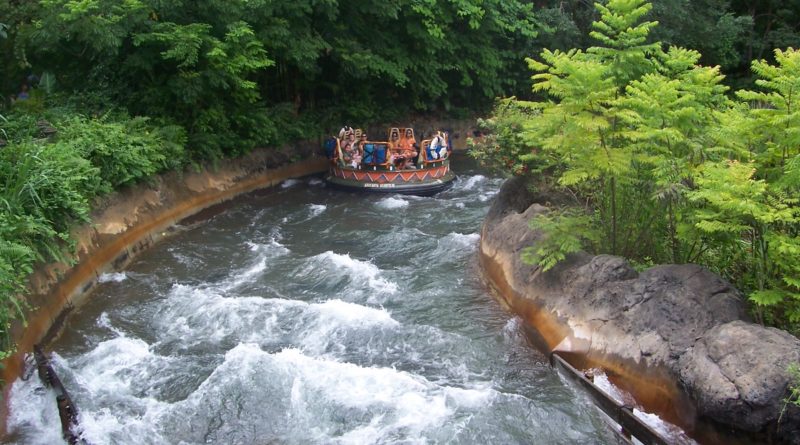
737,373
683,320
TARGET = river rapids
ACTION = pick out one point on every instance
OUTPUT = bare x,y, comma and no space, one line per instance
303,315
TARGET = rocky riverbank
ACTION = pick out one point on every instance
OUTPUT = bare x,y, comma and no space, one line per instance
677,336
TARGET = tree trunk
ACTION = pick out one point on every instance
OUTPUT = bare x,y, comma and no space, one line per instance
613,215
672,233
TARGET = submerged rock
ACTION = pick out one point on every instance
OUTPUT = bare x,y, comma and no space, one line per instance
682,320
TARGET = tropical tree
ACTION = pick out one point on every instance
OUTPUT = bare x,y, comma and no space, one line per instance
711,27
775,110
738,210
667,116
749,209
580,126
240,73
775,25
626,124
661,164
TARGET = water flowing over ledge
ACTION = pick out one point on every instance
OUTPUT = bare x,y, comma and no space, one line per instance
129,221
675,335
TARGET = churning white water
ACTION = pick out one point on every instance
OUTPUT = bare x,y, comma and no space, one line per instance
305,316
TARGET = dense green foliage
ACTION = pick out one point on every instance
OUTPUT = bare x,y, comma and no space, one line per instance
48,185
661,164
794,387
775,25
728,33
236,74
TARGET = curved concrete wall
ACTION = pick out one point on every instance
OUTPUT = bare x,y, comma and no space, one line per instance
127,222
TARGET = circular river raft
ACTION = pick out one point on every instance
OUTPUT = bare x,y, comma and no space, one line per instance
399,165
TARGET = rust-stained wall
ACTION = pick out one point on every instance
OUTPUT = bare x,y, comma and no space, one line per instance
672,335
652,387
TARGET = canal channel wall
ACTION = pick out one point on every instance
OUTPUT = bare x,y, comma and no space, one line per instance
675,336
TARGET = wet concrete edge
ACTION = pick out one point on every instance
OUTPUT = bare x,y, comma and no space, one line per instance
106,253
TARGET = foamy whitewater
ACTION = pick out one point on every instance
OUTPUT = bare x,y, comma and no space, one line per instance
392,203
113,276
673,433
309,316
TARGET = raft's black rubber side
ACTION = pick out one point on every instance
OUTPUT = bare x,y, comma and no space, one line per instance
427,188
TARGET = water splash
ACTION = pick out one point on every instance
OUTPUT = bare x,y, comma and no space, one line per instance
270,248
392,202
316,209
290,183
105,322
33,414
222,320
353,314
471,182
466,240
387,403
357,271
666,429
112,277
336,328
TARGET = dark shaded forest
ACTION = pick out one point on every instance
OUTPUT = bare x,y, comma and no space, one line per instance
235,74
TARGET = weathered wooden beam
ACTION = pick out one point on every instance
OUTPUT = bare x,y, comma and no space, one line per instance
67,411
